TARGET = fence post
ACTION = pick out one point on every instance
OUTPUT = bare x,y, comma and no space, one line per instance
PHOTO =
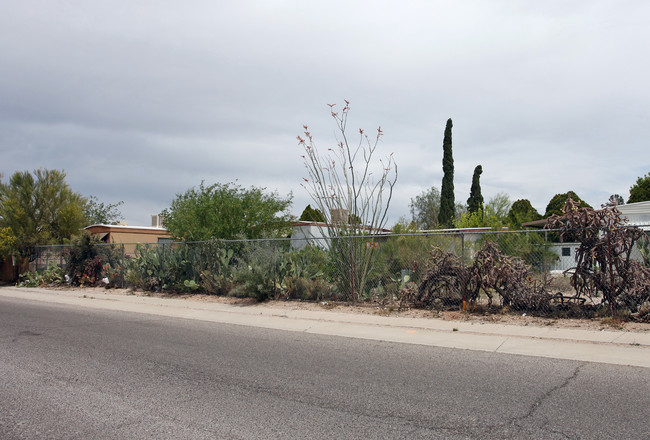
275,271
123,268
462,246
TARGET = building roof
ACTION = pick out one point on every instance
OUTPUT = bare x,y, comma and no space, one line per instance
125,228
638,208
534,224
118,233
325,225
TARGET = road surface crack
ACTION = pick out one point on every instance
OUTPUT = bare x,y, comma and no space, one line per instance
533,408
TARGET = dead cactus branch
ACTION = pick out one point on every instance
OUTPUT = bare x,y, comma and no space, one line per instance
604,263
449,281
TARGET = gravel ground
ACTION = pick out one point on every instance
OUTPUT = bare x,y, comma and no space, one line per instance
502,318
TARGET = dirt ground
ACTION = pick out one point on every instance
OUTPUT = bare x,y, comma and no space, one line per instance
376,309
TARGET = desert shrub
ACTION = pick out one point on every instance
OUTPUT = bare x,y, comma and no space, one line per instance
180,267
448,281
530,247
407,295
146,270
303,274
604,264
511,278
402,259
216,283
445,281
308,262
256,271
644,250
53,275
643,315
216,270
307,289
638,292
251,282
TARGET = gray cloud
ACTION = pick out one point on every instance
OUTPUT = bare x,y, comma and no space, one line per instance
138,102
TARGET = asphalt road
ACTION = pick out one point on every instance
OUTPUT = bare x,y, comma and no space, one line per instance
75,373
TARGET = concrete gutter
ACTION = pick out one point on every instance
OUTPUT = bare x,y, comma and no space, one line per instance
605,346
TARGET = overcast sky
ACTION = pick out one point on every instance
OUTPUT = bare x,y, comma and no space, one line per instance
138,101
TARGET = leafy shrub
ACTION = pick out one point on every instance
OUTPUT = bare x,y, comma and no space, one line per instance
112,276
83,251
89,262
92,272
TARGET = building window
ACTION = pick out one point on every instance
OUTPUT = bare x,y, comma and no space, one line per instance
566,252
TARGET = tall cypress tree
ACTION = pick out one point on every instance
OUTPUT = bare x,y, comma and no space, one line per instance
447,200
475,201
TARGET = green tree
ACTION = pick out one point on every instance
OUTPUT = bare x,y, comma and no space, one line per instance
521,212
40,209
614,200
226,211
478,219
7,242
492,215
640,191
425,208
100,213
310,214
447,198
556,204
475,201
498,206
404,226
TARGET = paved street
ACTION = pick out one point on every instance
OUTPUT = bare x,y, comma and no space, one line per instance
72,372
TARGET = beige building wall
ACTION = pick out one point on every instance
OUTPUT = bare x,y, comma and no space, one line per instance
130,236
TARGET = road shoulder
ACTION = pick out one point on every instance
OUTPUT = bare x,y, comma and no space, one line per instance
605,345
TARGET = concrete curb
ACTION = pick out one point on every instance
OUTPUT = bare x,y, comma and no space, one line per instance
607,346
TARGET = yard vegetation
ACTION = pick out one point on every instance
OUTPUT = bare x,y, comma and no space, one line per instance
496,273
232,240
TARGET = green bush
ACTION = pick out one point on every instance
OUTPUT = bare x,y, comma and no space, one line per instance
258,267
89,262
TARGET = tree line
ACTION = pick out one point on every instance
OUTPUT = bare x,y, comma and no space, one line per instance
436,209
39,207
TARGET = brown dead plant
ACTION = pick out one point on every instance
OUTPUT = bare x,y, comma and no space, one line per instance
449,282
604,263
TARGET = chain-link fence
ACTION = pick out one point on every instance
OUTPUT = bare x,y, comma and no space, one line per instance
524,270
